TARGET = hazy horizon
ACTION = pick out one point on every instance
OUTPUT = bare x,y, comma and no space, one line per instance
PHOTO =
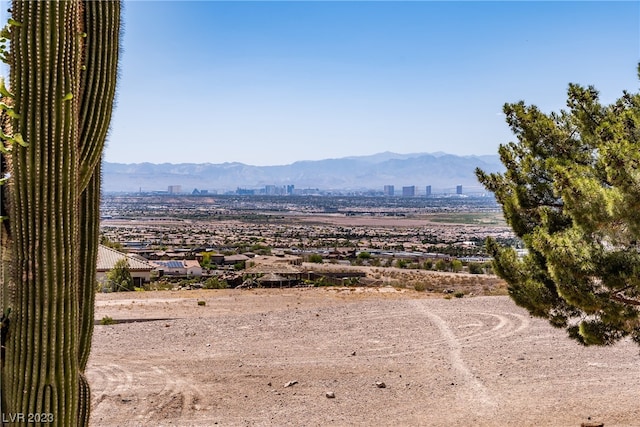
435,154
271,83
370,172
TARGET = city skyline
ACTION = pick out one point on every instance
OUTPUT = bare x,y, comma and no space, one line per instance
439,171
270,83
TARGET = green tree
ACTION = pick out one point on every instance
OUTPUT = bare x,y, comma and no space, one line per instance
120,276
315,258
206,260
441,265
105,241
56,113
456,266
571,192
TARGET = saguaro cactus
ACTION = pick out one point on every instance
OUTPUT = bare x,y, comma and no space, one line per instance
63,66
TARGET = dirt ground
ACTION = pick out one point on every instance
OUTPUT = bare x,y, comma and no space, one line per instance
472,361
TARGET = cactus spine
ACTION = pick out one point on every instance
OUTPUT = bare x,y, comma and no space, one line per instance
63,66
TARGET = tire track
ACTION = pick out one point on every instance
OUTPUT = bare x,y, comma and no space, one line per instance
109,379
174,399
472,392
166,394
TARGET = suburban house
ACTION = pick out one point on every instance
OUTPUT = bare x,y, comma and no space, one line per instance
179,267
139,268
234,259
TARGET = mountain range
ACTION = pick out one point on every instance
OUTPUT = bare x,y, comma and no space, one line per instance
440,170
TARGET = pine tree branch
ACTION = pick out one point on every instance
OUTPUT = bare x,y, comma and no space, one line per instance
624,300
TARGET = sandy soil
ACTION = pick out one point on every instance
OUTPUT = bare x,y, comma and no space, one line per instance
478,361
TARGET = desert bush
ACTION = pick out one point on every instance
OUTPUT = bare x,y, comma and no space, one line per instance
475,268
352,281
488,268
320,282
215,283
103,287
260,249
420,287
106,320
458,294
161,285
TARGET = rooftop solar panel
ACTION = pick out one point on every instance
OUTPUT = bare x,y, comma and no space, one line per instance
171,264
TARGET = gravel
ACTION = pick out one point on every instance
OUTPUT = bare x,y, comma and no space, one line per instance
357,357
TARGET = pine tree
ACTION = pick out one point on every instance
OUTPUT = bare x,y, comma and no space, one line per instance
571,192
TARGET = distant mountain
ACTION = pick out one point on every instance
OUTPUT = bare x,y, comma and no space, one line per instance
442,171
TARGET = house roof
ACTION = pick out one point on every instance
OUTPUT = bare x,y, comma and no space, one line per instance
236,258
272,277
277,268
191,263
176,264
108,257
170,264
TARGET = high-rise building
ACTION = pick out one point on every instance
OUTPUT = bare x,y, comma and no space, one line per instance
276,190
245,192
409,191
459,189
428,191
388,190
174,189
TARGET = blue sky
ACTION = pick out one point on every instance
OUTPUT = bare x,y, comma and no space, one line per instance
268,83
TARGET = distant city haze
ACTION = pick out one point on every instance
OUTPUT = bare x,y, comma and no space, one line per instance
391,174
272,83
